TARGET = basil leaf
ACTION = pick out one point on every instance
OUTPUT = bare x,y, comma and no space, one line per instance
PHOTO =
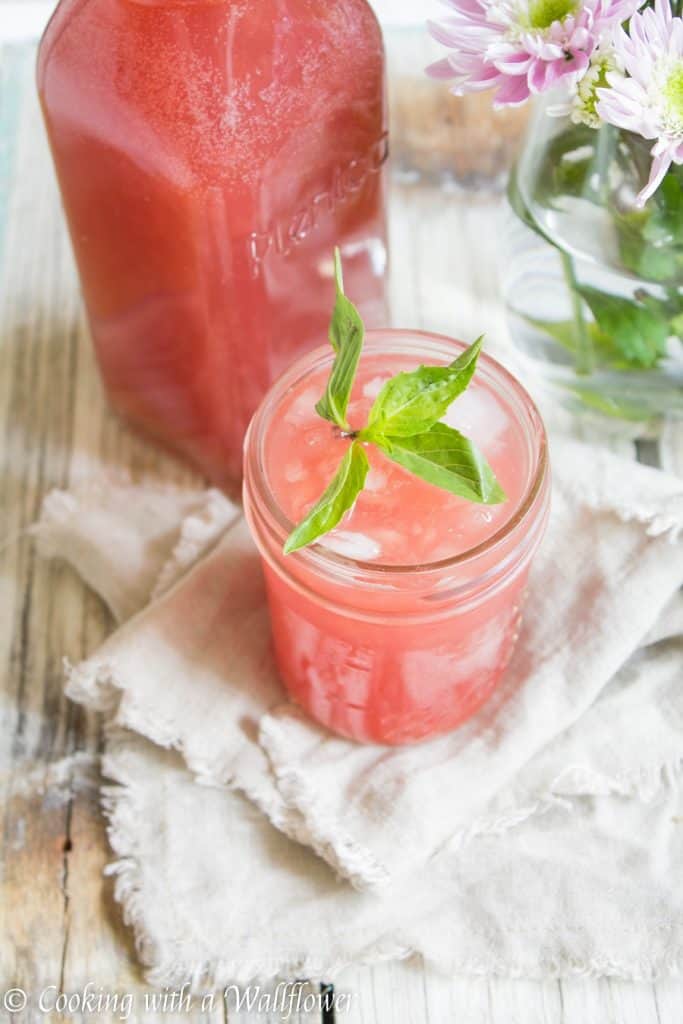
444,457
639,331
340,495
346,337
411,403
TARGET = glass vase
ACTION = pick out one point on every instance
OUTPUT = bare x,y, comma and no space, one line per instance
594,284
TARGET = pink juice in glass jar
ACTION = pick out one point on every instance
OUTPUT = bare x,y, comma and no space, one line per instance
399,623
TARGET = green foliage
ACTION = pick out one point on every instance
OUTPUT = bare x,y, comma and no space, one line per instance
348,482
637,330
346,337
411,403
403,423
444,457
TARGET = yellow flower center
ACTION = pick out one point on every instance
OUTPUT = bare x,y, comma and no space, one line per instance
585,104
542,13
673,92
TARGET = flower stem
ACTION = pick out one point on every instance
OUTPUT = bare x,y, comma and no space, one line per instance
604,151
584,347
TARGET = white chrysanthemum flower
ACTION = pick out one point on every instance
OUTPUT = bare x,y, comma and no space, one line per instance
646,97
583,105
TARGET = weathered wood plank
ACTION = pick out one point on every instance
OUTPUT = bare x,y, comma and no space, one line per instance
519,1001
58,922
391,991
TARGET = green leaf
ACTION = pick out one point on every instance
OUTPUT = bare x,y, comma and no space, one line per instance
621,409
340,495
346,338
410,403
564,331
520,208
444,457
651,240
639,331
569,168
646,246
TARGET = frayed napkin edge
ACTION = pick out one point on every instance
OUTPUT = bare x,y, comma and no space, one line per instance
198,533
163,969
662,515
94,684
646,783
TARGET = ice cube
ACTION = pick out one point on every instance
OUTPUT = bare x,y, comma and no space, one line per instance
302,409
375,481
352,545
372,388
294,472
477,414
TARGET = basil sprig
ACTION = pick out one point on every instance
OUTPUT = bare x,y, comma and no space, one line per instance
348,482
346,337
404,423
411,403
444,457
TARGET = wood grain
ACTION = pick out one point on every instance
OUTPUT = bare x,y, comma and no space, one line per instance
59,925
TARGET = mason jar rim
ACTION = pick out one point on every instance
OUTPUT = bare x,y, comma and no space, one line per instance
389,341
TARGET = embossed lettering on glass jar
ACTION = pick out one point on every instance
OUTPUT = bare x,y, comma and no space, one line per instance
400,623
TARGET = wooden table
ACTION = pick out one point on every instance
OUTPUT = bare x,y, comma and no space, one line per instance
59,925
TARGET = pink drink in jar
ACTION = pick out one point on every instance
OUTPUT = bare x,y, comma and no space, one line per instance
210,153
399,623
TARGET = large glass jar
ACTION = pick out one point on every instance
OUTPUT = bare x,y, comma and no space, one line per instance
400,624
594,284
210,154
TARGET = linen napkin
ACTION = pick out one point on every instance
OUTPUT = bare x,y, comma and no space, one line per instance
192,671
217,896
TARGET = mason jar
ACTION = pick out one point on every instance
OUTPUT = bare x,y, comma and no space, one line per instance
399,624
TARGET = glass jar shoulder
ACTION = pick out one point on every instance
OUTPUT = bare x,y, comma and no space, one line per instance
270,35
224,85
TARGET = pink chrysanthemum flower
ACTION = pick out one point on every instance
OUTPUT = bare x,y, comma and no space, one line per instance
647,96
519,47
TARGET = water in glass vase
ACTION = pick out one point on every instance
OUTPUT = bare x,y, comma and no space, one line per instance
594,285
